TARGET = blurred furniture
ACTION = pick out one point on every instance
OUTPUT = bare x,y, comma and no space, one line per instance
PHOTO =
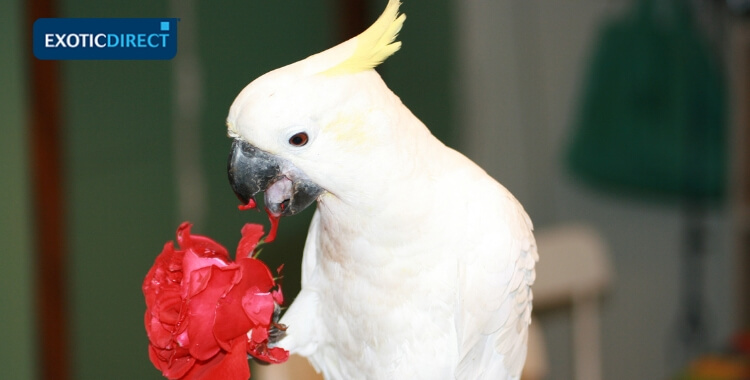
574,270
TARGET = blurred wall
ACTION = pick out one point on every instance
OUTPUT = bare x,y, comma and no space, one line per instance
16,258
120,197
521,67
121,167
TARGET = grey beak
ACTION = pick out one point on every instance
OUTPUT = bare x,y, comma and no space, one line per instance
252,170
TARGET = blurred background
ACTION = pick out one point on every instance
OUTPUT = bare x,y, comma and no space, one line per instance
621,126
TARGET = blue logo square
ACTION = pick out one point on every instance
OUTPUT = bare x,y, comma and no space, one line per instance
165,26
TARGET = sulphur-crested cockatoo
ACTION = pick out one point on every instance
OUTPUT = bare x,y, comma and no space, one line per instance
417,264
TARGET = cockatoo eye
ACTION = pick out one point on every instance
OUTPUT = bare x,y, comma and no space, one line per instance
299,139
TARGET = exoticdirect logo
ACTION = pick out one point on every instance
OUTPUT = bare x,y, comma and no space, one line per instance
105,38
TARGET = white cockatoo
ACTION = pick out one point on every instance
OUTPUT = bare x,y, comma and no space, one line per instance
417,264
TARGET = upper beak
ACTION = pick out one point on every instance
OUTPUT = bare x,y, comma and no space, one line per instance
251,170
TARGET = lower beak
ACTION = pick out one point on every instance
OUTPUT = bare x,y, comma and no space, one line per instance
251,170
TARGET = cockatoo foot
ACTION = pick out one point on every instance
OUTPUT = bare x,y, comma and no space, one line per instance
277,330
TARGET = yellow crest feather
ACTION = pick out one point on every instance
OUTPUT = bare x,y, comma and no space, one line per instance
375,44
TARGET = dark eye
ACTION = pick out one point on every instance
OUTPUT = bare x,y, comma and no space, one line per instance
299,139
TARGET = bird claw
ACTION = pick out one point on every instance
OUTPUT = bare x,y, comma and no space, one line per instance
277,330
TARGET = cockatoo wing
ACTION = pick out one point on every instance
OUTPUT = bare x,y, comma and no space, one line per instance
495,276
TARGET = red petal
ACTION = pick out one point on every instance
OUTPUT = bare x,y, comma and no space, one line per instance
168,308
162,320
206,247
202,312
158,276
251,204
269,355
183,234
251,234
192,263
153,355
232,319
259,308
274,219
230,365
177,367
158,335
256,273
277,295
259,335
202,245
277,355
197,282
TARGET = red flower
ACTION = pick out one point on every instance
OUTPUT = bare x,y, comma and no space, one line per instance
205,313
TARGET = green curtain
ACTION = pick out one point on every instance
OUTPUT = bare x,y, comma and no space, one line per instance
652,117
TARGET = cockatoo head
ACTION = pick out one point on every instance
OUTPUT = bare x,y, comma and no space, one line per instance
292,126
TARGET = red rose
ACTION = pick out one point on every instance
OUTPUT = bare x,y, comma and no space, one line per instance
205,313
